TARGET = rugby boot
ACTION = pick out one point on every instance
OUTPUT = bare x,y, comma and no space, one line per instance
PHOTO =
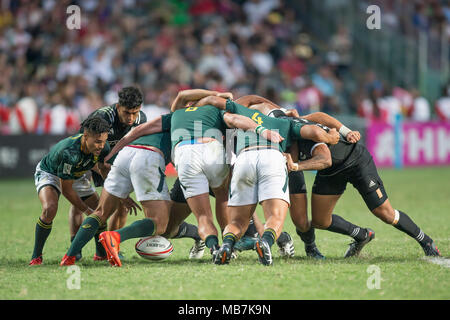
224,254
36,261
246,243
67,260
110,240
197,250
264,253
285,245
99,258
356,246
430,249
313,252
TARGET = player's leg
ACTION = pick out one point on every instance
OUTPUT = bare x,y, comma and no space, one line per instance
254,231
325,194
201,208
118,219
48,196
275,211
117,186
299,216
371,188
273,194
239,220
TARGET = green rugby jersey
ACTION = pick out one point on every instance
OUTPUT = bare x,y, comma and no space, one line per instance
66,160
118,129
287,128
197,122
159,140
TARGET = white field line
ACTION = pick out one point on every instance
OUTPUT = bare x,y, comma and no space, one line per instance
443,262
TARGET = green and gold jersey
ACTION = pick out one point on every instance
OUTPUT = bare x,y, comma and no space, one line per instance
158,140
67,161
197,122
287,128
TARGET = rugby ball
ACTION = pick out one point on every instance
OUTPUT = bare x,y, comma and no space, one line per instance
154,248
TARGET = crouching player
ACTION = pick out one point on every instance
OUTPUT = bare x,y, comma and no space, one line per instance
139,167
65,169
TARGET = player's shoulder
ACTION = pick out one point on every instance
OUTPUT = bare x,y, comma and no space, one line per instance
107,112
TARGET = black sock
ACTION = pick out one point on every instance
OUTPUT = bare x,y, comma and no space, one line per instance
342,226
251,230
187,230
41,234
308,237
283,238
408,226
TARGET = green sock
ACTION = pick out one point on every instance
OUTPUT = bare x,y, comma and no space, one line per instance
229,238
138,229
212,241
269,235
99,250
40,236
86,232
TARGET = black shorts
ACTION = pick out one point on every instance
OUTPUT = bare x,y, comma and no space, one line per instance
363,175
177,195
297,182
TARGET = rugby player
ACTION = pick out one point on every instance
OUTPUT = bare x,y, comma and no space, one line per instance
342,163
65,169
260,176
122,117
297,185
139,167
195,170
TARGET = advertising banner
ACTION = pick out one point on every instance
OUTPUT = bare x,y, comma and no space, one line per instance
411,144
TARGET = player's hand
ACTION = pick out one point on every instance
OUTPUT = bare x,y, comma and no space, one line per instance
107,165
333,136
353,136
226,95
292,113
291,165
272,136
130,205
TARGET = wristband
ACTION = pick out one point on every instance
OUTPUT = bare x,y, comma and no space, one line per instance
344,131
259,129
295,165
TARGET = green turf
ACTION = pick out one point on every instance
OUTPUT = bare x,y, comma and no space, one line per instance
422,193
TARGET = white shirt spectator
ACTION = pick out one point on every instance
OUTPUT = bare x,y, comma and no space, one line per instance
421,110
24,117
443,108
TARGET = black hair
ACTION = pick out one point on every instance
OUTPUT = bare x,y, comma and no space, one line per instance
95,125
130,97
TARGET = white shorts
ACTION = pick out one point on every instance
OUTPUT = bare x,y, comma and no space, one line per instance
200,166
258,175
140,170
82,186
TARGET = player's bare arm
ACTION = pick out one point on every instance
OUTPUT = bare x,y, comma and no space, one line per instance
192,95
331,122
321,159
73,197
150,127
317,134
241,122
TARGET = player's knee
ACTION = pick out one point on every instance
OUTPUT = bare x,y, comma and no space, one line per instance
321,223
160,224
49,210
384,213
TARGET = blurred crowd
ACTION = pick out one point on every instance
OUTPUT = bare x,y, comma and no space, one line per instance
52,77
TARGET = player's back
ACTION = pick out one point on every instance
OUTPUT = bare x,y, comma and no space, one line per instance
197,122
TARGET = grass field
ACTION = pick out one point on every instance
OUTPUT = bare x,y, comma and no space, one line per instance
422,193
